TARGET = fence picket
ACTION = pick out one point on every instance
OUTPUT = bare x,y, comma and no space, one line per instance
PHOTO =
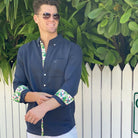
87,108
3,114
96,103
126,102
116,102
79,110
106,102
8,110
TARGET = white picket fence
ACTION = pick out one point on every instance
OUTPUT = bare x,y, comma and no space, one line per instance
104,110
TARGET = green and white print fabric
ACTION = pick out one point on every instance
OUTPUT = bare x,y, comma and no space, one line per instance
64,96
17,95
43,60
43,52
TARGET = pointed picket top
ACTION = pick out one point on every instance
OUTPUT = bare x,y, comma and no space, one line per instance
87,106
88,67
127,77
116,101
106,76
126,101
127,68
106,68
106,101
96,68
96,102
116,68
116,77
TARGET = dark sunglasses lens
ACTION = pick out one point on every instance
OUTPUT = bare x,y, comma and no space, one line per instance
46,15
56,16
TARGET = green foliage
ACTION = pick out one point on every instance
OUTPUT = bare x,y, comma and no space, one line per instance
118,24
106,30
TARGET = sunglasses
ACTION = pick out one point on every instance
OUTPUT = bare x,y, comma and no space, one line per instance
47,15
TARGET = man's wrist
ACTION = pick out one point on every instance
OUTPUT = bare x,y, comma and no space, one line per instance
31,96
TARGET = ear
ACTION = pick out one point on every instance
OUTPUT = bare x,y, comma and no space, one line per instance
35,18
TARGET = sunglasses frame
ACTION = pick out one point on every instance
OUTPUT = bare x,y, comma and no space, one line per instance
47,15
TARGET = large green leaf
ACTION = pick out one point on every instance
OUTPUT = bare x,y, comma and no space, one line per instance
113,27
2,6
95,13
124,29
129,2
133,26
6,70
129,56
87,9
26,3
79,36
134,61
75,3
134,48
109,59
104,22
84,74
15,8
125,17
100,29
98,39
101,52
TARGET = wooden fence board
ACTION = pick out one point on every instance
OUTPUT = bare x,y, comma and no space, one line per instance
116,102
106,102
126,102
3,114
8,110
96,103
87,129
79,110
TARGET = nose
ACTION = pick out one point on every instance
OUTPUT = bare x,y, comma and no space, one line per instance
51,18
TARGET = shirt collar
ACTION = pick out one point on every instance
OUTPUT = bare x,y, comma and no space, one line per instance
52,42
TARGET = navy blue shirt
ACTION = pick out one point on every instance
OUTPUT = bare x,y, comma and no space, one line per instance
61,70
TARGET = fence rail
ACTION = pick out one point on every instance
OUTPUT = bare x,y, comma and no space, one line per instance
104,110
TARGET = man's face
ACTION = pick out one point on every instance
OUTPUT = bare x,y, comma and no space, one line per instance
47,19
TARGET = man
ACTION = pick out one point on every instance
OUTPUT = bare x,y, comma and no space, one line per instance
47,76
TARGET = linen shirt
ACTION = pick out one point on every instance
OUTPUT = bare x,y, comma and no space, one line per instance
59,76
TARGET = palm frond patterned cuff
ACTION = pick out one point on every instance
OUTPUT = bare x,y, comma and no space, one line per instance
17,95
64,96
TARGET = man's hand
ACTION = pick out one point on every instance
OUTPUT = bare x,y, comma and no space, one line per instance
42,97
35,114
38,97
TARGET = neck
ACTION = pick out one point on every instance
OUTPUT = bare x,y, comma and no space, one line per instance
47,37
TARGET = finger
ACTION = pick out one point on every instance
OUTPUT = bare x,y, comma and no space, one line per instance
35,121
26,116
48,95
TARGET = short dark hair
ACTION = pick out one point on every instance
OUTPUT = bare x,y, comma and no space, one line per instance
37,4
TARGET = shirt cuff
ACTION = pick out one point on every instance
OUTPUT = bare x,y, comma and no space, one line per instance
17,95
64,96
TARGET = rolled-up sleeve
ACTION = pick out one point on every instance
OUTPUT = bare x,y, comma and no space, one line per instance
65,95
20,81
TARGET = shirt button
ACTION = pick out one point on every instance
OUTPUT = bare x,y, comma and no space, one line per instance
45,74
44,85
